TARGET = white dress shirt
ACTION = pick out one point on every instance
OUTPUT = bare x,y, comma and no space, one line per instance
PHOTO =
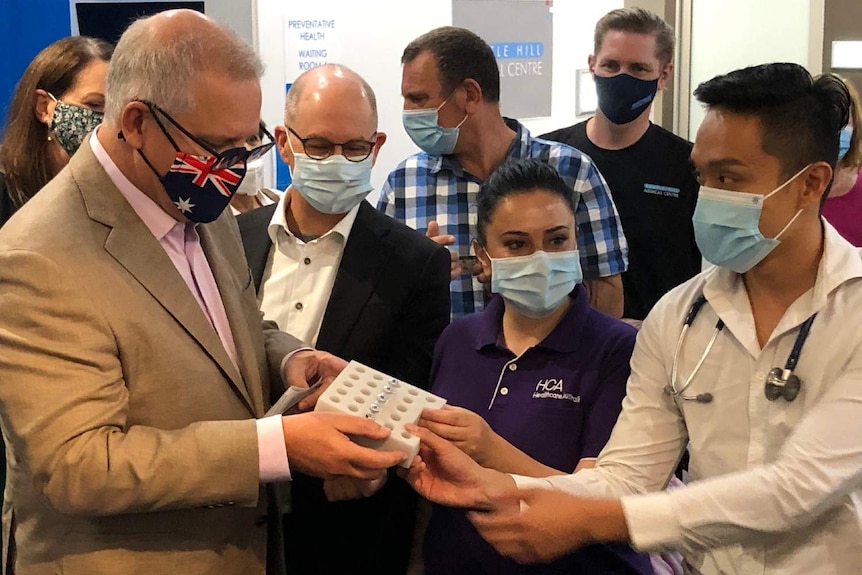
299,276
776,485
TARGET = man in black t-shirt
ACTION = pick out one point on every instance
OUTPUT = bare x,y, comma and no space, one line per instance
647,168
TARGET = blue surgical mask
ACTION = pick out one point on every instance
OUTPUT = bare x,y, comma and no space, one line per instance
622,98
727,227
844,141
423,129
334,185
536,284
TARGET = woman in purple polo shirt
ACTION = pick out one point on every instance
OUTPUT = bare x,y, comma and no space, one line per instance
535,382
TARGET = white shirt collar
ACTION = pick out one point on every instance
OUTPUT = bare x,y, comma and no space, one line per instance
725,290
279,222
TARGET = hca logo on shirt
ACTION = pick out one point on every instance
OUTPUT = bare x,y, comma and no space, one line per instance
553,389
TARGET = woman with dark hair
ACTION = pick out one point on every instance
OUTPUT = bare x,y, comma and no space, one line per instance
535,382
59,100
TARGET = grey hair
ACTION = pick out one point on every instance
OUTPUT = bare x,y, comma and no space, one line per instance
149,65
291,102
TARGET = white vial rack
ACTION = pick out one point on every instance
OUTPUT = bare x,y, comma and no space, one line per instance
365,392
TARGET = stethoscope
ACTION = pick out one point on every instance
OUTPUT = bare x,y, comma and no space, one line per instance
779,383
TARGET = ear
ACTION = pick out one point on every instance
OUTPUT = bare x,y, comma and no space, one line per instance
665,76
472,95
43,106
591,63
281,136
381,139
132,123
815,182
483,258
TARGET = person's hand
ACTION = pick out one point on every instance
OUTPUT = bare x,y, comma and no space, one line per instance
444,474
433,233
545,528
467,430
345,488
539,525
318,444
305,367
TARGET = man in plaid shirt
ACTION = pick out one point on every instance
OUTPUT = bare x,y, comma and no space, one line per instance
451,90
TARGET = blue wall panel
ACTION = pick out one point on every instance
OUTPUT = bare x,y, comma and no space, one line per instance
25,28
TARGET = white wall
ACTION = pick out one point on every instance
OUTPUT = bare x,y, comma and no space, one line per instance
574,23
369,37
731,34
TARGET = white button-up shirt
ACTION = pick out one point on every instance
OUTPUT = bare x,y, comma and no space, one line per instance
299,276
776,485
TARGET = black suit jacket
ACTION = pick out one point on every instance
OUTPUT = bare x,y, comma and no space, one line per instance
389,303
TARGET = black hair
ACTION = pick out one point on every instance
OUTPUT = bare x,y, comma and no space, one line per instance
518,177
801,117
460,54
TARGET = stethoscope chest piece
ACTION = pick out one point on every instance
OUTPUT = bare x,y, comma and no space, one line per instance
782,383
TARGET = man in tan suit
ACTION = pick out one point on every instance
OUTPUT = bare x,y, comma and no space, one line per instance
134,371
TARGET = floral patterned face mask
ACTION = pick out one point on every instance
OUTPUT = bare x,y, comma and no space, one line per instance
72,123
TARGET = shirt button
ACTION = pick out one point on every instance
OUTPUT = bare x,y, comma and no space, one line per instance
513,366
298,305
504,391
306,261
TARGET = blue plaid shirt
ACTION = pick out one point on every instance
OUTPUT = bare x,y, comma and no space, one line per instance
427,188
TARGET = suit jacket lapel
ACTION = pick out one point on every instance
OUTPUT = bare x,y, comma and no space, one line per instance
361,264
133,246
256,242
231,294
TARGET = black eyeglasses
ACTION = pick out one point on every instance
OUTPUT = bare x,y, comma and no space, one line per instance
321,148
223,160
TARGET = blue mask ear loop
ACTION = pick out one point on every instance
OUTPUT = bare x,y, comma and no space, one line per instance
440,107
778,189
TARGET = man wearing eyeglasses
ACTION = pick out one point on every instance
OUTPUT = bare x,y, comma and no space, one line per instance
340,275
136,372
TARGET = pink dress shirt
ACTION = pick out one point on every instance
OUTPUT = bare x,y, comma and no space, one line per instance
182,245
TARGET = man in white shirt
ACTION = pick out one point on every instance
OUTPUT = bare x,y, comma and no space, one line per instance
765,387
340,275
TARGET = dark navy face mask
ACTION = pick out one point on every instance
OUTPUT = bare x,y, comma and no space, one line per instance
622,98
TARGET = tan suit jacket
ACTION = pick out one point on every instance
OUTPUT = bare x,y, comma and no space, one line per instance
131,435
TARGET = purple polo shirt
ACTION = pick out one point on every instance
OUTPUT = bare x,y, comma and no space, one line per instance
557,402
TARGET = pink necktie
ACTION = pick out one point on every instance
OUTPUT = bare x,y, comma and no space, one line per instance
206,290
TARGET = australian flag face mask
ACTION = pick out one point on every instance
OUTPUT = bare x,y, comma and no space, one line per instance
202,186
200,192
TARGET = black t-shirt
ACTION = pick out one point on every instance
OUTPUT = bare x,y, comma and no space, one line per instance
655,191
